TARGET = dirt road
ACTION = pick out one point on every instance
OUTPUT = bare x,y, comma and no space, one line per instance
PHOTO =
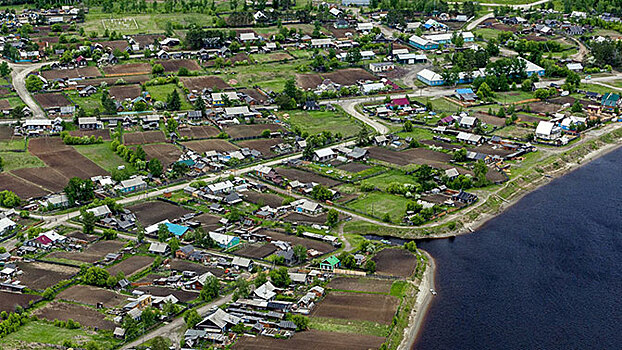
19,72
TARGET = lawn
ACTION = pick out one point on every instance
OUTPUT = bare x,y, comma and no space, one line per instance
597,88
488,33
382,181
512,96
102,155
514,131
98,21
17,160
417,134
315,122
160,93
348,326
379,203
439,104
39,332
89,103
270,76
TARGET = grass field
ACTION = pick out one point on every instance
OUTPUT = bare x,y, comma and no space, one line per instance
382,181
488,33
512,96
17,160
102,155
40,332
417,134
160,93
314,122
98,21
269,75
88,104
348,326
439,104
379,203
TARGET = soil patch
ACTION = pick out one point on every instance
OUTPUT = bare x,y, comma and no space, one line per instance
311,340
358,306
395,262
92,296
86,316
149,213
131,265
202,146
361,284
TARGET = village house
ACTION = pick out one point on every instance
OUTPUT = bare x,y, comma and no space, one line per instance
224,241
324,155
330,263
159,249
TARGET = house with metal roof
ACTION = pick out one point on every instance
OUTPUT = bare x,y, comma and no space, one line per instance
330,263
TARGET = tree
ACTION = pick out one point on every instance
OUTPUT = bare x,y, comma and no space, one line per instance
211,289
183,72
332,218
109,234
460,155
5,70
408,126
79,190
48,294
242,289
192,318
34,83
573,80
280,277
157,69
163,233
362,139
171,125
158,343
174,244
88,221
370,266
321,193
450,76
173,102
260,279
484,91
8,199
96,276
155,167
577,107
300,252
354,55
301,322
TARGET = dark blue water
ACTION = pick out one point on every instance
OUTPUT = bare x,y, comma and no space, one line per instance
546,274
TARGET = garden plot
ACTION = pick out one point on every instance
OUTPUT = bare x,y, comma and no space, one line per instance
395,262
308,243
204,82
198,132
64,159
93,253
123,92
131,265
141,138
367,285
184,265
9,301
308,81
40,275
92,296
21,188
174,65
184,296
48,178
149,213
250,131
47,101
82,72
209,222
202,146
349,76
262,145
358,306
256,251
306,177
165,152
127,69
262,199
311,340
419,156
86,316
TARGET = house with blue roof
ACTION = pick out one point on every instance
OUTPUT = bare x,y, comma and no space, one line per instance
610,101
177,230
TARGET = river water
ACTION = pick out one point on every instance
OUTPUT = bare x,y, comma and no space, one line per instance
546,274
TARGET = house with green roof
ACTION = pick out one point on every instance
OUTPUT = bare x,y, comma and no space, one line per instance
610,101
330,263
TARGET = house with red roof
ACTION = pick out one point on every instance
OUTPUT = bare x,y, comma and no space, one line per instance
399,103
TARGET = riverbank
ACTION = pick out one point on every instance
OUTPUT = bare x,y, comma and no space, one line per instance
422,304
557,163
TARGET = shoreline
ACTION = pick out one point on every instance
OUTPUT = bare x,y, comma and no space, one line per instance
424,297
422,304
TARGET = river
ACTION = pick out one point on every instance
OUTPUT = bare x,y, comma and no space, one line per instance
546,274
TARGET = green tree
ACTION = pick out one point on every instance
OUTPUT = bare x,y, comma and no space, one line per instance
79,190
163,233
96,276
260,279
370,266
157,69
211,289
408,126
192,318
301,322
280,277
300,252
88,221
242,289
173,101
332,218
577,107
155,167
34,83
5,70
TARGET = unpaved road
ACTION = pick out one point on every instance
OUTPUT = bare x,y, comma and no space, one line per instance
19,73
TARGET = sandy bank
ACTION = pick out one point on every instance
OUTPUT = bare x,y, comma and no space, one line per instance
424,297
